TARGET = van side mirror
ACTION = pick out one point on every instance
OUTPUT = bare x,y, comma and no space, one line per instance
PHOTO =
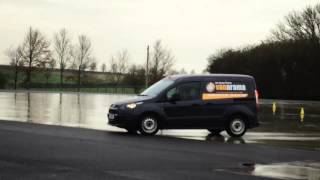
174,97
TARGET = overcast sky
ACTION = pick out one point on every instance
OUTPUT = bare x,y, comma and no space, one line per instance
192,29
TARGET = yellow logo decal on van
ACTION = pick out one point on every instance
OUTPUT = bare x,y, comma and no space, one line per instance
213,96
224,90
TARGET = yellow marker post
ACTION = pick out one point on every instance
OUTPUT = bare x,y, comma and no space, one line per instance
301,114
274,108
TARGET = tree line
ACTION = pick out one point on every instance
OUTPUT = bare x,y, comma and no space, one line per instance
286,64
36,51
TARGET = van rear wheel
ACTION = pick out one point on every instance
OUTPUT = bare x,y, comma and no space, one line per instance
149,125
236,126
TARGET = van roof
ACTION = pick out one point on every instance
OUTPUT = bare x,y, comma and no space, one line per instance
201,76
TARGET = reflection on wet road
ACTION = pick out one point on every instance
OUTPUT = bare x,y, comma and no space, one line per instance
90,111
292,170
285,170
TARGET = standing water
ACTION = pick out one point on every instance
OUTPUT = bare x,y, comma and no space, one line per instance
65,109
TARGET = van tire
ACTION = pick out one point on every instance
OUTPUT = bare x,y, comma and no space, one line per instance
149,125
236,126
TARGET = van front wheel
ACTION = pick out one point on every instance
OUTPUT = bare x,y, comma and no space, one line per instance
149,125
236,127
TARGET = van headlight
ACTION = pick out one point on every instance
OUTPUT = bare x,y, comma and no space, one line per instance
133,105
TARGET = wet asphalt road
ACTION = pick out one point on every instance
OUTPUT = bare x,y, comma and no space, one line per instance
33,151
89,110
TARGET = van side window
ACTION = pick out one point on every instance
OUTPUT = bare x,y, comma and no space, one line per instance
171,92
186,91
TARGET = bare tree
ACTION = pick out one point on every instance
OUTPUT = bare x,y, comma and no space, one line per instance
93,66
161,62
48,67
119,66
16,59
103,67
73,64
35,51
135,77
63,50
172,72
82,55
182,71
113,69
300,25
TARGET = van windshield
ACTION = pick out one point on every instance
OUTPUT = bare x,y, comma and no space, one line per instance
157,88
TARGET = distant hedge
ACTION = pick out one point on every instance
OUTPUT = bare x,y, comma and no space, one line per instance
286,70
3,81
286,65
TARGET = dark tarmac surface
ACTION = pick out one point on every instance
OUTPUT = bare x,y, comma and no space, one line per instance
33,151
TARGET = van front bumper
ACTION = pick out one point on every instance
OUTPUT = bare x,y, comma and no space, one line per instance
122,121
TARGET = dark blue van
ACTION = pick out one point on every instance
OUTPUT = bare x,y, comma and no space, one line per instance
215,102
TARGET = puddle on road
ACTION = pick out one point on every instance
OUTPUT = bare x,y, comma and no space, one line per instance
309,141
292,170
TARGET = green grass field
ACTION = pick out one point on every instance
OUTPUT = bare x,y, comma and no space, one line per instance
109,90
70,77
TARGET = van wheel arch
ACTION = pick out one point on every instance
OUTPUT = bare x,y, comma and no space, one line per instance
239,114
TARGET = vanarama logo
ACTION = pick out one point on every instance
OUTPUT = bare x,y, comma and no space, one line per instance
231,87
225,86
210,87
224,90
